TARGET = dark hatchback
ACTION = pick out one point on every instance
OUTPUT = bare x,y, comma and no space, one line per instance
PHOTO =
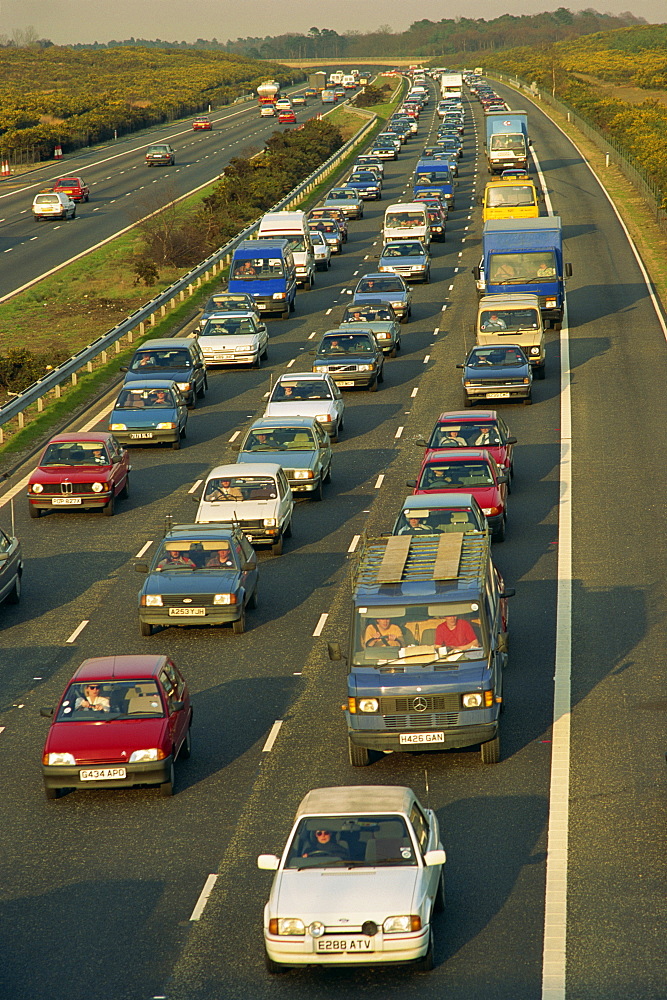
497,373
201,574
181,361
352,359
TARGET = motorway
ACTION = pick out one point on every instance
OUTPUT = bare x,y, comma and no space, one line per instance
98,888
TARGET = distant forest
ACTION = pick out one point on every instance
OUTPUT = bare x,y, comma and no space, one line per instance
423,38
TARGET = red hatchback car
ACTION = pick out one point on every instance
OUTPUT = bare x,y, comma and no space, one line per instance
122,721
79,471
75,187
474,429
474,470
286,117
201,124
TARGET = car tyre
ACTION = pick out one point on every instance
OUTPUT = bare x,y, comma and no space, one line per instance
491,751
499,533
285,315
439,901
287,530
277,547
167,787
14,595
109,509
467,401
252,600
275,968
327,478
373,387
35,511
540,372
201,390
52,793
145,628
381,375
359,756
528,400
257,363
238,627
426,962
186,746
125,492
318,493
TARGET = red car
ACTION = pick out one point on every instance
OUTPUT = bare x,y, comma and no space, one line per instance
474,470
474,429
75,187
286,117
81,471
203,122
122,721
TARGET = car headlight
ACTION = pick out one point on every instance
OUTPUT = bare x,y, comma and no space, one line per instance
117,427
37,488
151,601
491,511
472,700
168,425
399,925
249,348
526,381
287,926
550,303
316,929
534,350
224,598
303,474
150,753
324,418
365,368
184,386
368,704
270,522
278,295
449,196
320,368
99,487
55,759
383,336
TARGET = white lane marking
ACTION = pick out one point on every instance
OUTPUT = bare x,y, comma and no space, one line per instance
427,358
378,482
265,396
414,392
353,544
311,335
143,550
321,623
436,331
2,729
203,899
234,436
273,735
78,630
355,273
461,253
8,250
443,308
450,287
399,433
290,363
555,897
327,312
195,486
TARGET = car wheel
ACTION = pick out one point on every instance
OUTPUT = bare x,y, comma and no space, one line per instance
109,509
341,425
277,547
426,962
491,751
359,756
499,533
439,901
265,352
285,315
186,745
327,478
252,600
318,493
167,787
381,374
373,387
125,492
257,363
52,793
404,318
145,628
184,431
540,372
392,352
287,530
176,445
193,404
201,390
467,401
35,511
87,197
238,627
275,968
292,305
528,400
14,595
427,278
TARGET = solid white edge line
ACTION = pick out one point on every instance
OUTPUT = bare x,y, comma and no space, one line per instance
554,955
321,623
353,544
143,550
203,897
273,735
78,630
195,486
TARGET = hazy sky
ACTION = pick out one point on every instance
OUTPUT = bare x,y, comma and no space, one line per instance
65,21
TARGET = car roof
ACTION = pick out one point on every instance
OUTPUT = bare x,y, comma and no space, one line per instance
163,343
456,454
357,799
426,502
137,384
303,377
201,530
467,416
244,469
233,314
282,422
118,667
81,436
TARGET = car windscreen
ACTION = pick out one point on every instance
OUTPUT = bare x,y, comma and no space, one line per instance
404,220
230,325
376,286
288,391
437,521
105,700
237,489
455,475
280,439
346,343
368,312
507,268
404,250
140,399
258,269
160,360
505,357
73,453
193,555
438,633
509,319
468,435
351,841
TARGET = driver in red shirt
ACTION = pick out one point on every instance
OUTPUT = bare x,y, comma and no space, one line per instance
456,634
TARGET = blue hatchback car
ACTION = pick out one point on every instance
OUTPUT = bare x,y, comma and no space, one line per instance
390,288
150,412
497,372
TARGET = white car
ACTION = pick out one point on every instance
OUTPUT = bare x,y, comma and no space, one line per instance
234,338
321,250
256,497
307,394
358,882
53,205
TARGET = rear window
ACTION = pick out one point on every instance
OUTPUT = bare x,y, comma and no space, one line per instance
47,199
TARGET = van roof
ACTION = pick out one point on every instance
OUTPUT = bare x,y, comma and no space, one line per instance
261,248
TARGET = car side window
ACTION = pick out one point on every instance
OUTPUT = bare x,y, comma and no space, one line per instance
282,481
4,542
169,682
420,826
246,549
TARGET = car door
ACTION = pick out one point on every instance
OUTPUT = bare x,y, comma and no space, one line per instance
172,684
427,840
263,334
119,464
285,500
337,396
245,555
181,409
10,563
325,452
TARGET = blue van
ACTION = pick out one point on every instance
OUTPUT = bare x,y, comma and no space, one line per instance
266,270
434,177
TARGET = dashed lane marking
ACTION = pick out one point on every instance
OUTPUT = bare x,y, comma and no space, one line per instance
77,631
321,623
353,544
144,548
273,735
203,900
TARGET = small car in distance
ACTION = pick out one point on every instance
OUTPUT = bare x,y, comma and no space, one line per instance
431,515
85,471
152,413
75,187
53,205
202,124
353,359
298,444
385,288
298,100
347,199
331,212
321,250
497,372
331,232
11,568
349,832
409,258
201,574
380,319
147,700
446,470
161,154
366,183
306,394
286,117
165,358
256,498
227,301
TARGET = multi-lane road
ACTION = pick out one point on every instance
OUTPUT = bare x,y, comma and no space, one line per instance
98,888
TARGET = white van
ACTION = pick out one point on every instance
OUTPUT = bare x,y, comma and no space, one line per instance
407,221
292,226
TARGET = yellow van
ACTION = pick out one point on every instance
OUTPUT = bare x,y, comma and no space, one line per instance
510,199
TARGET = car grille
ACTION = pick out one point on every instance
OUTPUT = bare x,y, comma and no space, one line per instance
432,703
343,368
422,720
193,600
492,383
67,490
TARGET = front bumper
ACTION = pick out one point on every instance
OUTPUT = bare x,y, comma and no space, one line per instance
454,739
152,772
303,485
150,436
301,950
89,501
230,358
498,392
222,614
353,380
